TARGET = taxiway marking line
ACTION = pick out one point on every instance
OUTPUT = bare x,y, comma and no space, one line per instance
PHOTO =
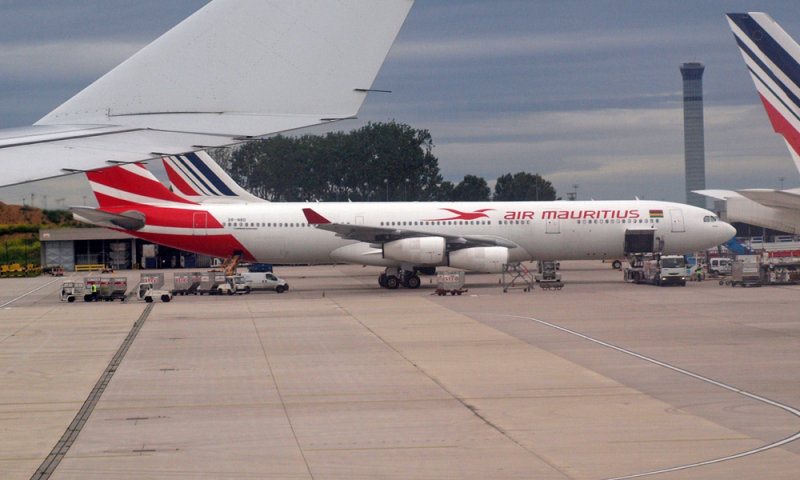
32,291
682,371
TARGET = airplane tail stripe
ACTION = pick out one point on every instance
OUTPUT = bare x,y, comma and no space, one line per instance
211,176
782,126
772,49
178,181
124,180
189,173
767,71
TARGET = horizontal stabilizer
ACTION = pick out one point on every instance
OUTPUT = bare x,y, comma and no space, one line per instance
130,220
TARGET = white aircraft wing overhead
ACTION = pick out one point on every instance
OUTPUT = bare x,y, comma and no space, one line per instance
718,194
773,198
234,70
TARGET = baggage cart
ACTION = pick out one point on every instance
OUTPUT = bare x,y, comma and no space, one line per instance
450,282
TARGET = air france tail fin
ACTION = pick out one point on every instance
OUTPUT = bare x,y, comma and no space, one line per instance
197,177
773,59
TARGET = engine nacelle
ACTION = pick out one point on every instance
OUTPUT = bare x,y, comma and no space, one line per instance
480,259
418,250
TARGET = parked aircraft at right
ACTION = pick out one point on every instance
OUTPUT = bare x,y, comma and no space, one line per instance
773,59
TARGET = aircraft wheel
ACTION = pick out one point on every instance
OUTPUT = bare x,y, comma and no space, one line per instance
392,282
382,280
413,282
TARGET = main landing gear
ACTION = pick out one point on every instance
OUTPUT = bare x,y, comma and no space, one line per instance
393,277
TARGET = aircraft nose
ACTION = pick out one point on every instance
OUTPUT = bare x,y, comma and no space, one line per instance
726,232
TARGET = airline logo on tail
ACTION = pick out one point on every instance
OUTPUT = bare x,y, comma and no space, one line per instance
773,58
198,178
133,200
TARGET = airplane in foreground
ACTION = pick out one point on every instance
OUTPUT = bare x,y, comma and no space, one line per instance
233,71
203,212
773,60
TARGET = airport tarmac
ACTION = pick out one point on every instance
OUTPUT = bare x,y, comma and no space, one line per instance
340,379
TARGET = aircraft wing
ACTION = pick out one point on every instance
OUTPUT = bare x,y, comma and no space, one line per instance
718,194
378,235
233,71
773,198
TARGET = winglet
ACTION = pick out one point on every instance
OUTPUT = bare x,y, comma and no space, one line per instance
314,218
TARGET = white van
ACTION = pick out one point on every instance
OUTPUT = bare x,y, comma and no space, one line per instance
720,266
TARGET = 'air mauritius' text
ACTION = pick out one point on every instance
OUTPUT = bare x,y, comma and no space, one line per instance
572,214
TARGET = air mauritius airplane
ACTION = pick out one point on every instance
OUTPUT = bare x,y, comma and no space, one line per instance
206,212
773,60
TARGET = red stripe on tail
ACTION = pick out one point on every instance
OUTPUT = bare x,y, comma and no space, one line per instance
178,181
782,126
121,179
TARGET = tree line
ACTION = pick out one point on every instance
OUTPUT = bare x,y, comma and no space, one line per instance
379,162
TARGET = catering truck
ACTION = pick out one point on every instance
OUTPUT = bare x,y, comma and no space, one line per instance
656,269
665,270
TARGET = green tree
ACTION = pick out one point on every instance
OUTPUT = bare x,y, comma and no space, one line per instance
381,161
523,186
472,188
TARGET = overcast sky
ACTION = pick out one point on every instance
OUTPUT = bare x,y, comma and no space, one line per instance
585,93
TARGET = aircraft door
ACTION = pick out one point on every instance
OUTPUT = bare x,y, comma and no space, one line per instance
677,220
199,223
553,225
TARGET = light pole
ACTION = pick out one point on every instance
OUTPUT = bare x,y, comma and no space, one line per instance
386,182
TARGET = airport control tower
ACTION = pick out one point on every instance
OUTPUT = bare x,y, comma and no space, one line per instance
693,143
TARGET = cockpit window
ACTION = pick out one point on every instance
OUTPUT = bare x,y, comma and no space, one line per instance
709,218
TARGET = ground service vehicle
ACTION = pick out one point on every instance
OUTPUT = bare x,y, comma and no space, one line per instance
233,284
450,282
548,276
148,293
665,270
187,283
719,266
71,290
151,288
264,281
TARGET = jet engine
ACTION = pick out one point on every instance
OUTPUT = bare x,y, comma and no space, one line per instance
418,250
480,259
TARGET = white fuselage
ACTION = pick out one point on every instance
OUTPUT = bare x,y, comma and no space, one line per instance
280,233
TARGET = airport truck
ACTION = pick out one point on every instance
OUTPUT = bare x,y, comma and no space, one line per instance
767,268
71,290
149,293
548,276
656,269
233,284
263,281
665,270
151,288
